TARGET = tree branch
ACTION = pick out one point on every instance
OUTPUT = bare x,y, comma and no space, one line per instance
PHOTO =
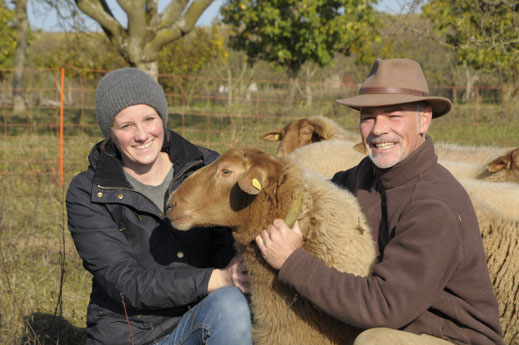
101,13
171,13
180,27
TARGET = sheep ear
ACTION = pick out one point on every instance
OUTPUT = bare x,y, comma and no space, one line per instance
500,163
253,180
272,136
360,148
318,132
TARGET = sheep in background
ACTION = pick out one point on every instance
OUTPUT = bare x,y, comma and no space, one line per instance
318,144
462,161
474,154
247,189
505,167
328,156
502,169
307,131
500,234
463,169
343,152
474,161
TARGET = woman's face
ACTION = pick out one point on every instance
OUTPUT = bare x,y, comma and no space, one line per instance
138,134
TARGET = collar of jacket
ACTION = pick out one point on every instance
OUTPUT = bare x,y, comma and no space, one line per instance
109,170
412,166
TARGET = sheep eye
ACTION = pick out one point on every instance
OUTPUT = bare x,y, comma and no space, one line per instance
226,172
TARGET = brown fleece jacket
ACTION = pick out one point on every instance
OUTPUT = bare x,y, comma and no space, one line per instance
432,276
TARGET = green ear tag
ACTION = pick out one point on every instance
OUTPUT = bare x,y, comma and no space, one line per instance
256,184
277,137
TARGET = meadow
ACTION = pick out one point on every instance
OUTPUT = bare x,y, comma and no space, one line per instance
44,289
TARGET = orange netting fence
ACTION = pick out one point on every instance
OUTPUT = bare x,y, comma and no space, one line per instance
55,132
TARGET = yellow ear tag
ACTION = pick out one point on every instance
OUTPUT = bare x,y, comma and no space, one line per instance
256,184
277,137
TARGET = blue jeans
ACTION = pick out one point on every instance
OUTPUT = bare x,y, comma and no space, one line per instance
222,318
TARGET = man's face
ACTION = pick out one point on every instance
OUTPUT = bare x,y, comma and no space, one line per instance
391,133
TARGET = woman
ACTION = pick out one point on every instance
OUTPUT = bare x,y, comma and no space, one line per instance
151,283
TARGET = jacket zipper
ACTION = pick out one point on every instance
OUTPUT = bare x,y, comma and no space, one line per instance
183,171
170,184
130,190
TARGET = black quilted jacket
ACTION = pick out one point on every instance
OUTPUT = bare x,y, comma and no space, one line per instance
140,265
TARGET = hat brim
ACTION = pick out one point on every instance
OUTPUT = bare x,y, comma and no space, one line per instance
439,105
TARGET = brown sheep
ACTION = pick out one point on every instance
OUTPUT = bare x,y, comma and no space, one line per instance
247,189
505,167
306,131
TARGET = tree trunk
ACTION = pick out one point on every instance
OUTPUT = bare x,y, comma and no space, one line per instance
472,78
22,29
148,30
309,74
151,68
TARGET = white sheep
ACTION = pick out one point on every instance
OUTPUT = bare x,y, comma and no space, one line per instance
504,196
328,156
474,154
247,189
500,234
307,131
464,170
501,169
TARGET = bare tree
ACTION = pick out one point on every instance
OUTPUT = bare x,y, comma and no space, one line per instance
22,29
147,30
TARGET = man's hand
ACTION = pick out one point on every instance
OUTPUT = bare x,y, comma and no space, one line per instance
278,242
235,274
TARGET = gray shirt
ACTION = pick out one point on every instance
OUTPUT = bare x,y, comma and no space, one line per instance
156,194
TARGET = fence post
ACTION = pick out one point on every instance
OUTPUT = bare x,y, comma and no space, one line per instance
4,101
454,102
61,126
477,106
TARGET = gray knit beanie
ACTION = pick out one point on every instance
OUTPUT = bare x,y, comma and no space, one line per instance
125,87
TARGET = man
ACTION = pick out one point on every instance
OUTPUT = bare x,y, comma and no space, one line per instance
431,285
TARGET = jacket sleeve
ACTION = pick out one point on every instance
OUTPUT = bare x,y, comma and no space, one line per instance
107,255
416,265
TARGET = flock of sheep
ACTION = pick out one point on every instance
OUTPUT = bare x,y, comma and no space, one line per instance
258,188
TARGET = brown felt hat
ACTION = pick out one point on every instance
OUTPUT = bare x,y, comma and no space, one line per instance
396,81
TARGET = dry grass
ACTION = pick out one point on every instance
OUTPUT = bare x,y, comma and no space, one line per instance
44,289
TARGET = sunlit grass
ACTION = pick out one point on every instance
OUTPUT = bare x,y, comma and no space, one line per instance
37,257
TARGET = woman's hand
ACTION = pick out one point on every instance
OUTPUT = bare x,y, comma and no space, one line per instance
235,274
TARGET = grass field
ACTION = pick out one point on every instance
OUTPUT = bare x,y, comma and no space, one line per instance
44,290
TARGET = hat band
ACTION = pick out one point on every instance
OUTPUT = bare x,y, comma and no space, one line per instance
398,90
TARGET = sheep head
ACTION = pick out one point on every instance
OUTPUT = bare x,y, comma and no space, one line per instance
228,192
509,163
296,134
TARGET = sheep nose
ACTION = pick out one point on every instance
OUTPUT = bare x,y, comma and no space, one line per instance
170,206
